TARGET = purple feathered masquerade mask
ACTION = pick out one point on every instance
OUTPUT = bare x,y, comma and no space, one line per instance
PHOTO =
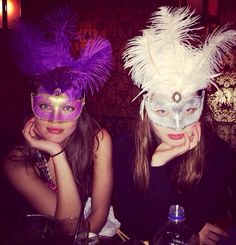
64,66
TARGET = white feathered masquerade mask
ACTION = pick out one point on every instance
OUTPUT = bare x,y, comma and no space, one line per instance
170,70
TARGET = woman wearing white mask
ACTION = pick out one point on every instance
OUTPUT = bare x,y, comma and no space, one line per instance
171,157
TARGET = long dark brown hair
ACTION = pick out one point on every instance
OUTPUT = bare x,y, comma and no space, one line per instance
80,151
187,171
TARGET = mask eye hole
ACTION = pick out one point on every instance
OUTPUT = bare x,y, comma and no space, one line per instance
162,113
190,111
68,108
45,107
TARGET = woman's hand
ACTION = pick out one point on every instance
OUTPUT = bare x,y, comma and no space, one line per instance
30,134
164,153
211,234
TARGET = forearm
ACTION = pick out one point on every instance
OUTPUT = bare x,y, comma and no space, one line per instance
97,219
102,183
68,199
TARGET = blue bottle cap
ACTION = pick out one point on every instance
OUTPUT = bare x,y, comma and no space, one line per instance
176,213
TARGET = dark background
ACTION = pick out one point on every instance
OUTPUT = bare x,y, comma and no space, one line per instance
118,21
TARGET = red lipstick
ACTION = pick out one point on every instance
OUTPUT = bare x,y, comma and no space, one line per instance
55,130
175,136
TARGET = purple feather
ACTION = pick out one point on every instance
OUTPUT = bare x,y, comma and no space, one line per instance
48,52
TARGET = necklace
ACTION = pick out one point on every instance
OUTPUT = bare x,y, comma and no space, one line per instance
43,170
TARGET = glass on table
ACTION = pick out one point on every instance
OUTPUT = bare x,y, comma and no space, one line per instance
74,231
92,239
31,229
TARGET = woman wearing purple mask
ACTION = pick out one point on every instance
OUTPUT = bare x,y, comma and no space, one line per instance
66,156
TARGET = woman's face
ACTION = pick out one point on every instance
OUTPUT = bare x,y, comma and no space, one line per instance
173,137
176,115
54,131
56,115
62,107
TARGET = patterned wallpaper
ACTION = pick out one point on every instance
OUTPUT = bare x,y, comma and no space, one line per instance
112,106
222,106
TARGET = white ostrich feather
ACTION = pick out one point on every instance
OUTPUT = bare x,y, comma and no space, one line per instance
175,24
215,48
163,59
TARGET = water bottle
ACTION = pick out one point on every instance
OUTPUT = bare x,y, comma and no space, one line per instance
176,231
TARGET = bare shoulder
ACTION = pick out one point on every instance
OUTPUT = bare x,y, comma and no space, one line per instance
13,159
14,165
103,142
103,135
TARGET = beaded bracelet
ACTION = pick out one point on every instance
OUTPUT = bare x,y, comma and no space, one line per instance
57,153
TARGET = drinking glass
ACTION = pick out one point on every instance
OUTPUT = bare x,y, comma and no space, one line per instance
32,229
74,231
92,239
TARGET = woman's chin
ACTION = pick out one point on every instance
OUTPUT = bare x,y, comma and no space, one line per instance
175,143
56,139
